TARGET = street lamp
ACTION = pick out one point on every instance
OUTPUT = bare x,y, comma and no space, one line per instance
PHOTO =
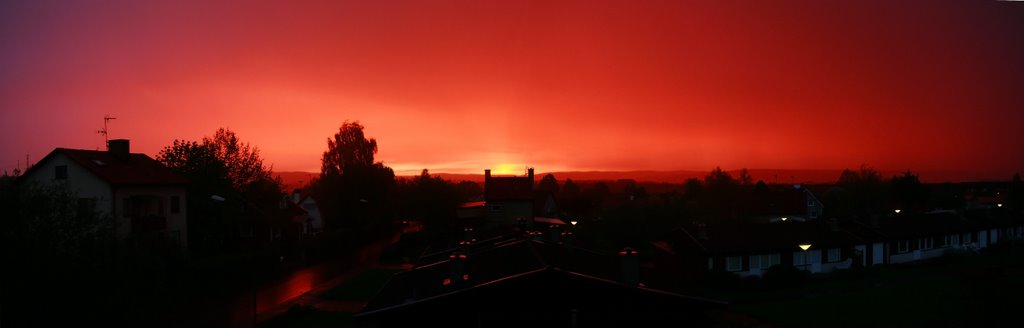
805,247
897,211
573,222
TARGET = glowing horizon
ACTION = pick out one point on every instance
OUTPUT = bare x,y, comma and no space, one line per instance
458,87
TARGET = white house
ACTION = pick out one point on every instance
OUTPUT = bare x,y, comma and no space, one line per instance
308,214
145,198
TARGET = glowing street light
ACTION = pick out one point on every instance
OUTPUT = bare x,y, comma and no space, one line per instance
573,222
897,211
784,219
999,205
805,246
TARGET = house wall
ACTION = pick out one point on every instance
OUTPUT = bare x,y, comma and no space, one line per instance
314,213
509,212
177,223
79,181
878,253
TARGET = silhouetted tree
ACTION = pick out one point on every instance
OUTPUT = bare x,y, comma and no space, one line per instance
596,195
858,193
469,190
431,200
720,193
761,187
354,190
548,185
745,178
908,193
693,188
223,166
58,248
570,190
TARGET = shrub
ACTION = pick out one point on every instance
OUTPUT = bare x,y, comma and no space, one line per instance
784,275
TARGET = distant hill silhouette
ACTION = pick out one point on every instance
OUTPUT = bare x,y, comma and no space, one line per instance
294,180
771,176
782,176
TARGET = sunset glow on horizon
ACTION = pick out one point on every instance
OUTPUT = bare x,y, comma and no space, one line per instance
463,86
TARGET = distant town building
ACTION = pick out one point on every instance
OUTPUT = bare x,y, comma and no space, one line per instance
508,198
304,212
144,198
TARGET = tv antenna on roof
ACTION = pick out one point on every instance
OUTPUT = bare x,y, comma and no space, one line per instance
106,118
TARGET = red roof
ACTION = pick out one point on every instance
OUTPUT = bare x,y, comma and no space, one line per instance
139,169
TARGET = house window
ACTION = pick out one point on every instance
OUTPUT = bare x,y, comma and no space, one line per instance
86,207
60,172
814,214
954,240
734,263
947,241
903,246
810,202
175,204
799,258
833,255
763,261
924,243
967,238
126,207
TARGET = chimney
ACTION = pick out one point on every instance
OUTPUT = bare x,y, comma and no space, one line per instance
119,149
529,172
630,260
487,174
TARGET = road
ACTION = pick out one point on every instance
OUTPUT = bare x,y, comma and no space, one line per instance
273,295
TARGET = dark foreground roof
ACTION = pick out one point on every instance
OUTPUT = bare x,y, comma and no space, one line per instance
528,282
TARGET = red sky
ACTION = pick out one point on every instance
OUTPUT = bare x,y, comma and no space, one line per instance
459,86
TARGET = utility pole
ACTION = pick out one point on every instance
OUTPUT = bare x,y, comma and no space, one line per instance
106,118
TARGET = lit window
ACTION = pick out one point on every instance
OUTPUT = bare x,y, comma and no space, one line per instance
833,255
764,261
799,258
734,263
924,243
